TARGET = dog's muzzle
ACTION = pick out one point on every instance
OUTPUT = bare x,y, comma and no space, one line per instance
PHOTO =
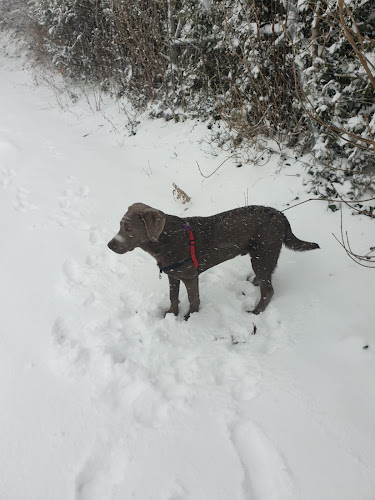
117,244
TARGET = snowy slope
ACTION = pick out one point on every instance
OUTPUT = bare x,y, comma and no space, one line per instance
103,398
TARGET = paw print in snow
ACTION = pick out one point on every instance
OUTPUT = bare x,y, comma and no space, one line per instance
7,177
73,204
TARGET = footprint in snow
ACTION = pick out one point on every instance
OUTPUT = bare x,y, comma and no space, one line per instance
102,473
7,177
266,475
73,205
52,151
23,203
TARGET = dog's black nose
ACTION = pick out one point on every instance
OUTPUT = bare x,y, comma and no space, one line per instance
115,247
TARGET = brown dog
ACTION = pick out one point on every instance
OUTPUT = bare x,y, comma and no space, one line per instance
185,250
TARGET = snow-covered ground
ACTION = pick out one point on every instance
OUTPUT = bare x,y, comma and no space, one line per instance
101,397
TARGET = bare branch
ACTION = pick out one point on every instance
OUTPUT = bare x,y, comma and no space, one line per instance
216,169
345,243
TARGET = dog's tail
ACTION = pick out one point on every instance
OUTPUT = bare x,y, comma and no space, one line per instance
292,242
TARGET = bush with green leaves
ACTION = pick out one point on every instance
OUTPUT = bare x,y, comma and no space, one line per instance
334,52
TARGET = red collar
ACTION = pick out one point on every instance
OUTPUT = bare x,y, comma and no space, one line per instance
192,246
192,257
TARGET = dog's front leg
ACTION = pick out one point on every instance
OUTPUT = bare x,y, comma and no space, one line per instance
174,290
192,288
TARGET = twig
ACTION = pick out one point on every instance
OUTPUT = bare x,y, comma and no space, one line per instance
207,176
110,121
347,202
346,246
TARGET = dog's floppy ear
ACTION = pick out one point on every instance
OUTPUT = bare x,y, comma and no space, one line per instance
154,222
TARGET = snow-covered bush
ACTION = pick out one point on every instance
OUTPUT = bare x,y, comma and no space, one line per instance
117,43
219,59
75,35
299,71
231,61
336,56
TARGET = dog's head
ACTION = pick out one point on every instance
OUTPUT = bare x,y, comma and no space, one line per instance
140,224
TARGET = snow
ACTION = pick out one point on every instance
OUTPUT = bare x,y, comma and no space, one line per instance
103,398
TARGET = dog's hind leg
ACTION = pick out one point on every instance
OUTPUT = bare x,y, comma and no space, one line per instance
174,290
264,261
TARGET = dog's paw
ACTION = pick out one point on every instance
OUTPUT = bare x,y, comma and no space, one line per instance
190,312
171,310
254,311
253,279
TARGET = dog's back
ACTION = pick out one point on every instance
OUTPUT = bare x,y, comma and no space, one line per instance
225,235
